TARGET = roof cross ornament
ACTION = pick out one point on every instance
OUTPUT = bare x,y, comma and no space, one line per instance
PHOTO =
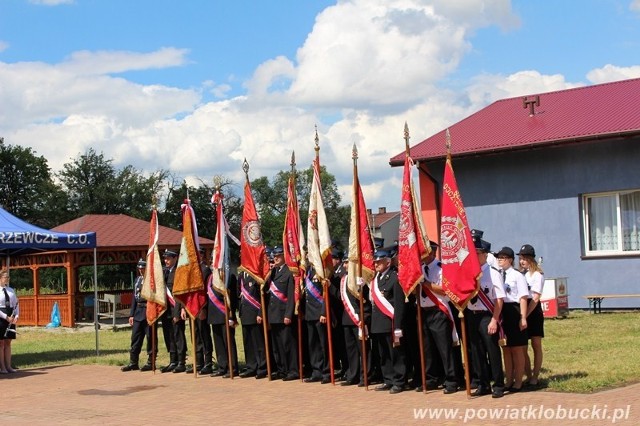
531,104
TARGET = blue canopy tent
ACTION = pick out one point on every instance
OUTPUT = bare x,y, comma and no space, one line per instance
18,237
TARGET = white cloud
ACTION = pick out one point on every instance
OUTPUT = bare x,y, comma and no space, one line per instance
3,45
109,62
610,73
635,5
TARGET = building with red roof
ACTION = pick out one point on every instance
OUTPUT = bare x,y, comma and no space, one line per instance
556,170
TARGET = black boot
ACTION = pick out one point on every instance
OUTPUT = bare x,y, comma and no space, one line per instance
172,364
181,367
148,366
133,363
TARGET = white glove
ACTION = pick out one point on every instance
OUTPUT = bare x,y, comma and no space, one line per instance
360,282
231,323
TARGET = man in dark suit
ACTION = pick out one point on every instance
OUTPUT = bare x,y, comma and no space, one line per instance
217,319
204,344
280,286
315,321
350,321
340,359
386,321
178,316
170,258
139,327
250,309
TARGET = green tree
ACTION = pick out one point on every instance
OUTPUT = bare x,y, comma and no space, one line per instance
271,202
94,185
27,189
200,198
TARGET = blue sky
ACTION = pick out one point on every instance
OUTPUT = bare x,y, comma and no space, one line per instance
196,86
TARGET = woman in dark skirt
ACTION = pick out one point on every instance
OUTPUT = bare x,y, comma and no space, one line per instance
8,319
535,318
514,320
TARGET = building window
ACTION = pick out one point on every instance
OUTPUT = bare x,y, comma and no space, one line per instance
612,223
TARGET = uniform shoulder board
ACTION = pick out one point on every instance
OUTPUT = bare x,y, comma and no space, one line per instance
495,269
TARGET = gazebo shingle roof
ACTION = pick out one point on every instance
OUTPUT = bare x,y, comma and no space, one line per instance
119,230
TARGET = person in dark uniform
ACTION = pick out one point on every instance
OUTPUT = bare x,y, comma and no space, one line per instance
204,344
387,313
437,328
217,319
139,326
280,286
340,360
169,257
176,347
482,319
250,309
351,327
315,321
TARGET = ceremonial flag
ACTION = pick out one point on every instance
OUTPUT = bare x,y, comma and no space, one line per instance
220,257
188,285
153,286
293,238
460,266
319,240
360,241
411,236
253,257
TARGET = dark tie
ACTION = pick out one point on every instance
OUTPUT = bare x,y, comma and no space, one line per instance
504,275
7,302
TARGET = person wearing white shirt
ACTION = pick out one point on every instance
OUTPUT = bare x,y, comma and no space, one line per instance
483,322
535,318
437,328
514,320
9,313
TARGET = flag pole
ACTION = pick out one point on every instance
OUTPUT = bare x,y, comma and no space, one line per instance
356,206
325,285
193,344
465,346
245,169
297,280
154,343
418,288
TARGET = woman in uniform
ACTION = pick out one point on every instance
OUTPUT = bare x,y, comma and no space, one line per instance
535,318
514,320
8,319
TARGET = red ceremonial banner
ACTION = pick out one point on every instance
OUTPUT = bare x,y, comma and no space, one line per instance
409,255
253,257
460,265
293,238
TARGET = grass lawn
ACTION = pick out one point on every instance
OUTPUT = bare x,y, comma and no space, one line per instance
582,353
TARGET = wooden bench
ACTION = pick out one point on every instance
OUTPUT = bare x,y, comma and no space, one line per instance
595,300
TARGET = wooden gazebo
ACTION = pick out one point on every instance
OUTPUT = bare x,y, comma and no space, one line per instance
121,239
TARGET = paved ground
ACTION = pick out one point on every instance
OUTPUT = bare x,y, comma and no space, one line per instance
92,395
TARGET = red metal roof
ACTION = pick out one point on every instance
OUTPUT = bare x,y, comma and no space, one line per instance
120,230
572,115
